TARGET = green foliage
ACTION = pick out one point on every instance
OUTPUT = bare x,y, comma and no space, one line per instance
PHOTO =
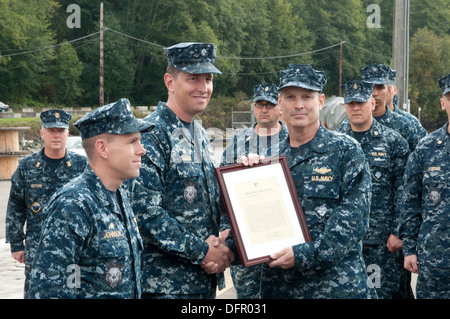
429,61
255,40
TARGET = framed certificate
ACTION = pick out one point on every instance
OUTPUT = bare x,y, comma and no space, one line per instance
263,208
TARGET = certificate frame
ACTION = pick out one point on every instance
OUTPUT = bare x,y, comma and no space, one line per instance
273,184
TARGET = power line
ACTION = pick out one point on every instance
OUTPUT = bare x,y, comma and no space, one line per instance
280,56
134,38
49,46
384,56
161,46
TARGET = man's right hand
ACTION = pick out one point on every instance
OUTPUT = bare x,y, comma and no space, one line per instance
19,256
410,263
219,256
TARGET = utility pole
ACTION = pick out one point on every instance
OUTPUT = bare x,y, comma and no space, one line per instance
102,100
400,48
340,69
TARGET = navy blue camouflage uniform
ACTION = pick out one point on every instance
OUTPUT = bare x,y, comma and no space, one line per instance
426,210
378,74
176,197
247,280
90,245
32,185
387,152
333,182
383,75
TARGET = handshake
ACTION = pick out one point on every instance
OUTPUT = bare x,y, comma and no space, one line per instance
219,256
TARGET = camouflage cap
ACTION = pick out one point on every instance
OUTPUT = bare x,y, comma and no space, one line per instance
357,91
265,92
114,118
303,76
194,58
444,83
375,73
55,118
392,77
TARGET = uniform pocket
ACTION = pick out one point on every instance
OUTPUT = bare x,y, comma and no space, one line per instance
434,189
321,186
189,184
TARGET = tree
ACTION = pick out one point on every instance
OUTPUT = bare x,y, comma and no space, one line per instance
67,74
24,27
428,62
118,69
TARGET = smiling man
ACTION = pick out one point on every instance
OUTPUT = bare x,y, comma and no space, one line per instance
332,179
176,198
90,245
387,152
36,179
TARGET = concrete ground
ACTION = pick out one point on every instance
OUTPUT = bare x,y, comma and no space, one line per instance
11,272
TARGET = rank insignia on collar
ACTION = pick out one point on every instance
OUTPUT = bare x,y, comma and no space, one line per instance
322,170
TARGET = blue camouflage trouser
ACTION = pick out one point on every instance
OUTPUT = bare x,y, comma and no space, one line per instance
382,269
433,283
246,281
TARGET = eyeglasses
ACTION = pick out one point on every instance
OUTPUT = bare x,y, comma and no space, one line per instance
268,106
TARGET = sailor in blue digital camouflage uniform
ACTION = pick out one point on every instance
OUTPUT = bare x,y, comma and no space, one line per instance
90,245
36,179
333,182
176,198
405,289
264,135
387,152
392,101
268,130
426,209
378,74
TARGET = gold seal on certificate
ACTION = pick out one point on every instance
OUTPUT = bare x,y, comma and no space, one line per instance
263,207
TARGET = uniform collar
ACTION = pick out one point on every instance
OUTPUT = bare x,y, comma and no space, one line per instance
168,115
174,121
443,138
375,131
319,144
98,188
40,162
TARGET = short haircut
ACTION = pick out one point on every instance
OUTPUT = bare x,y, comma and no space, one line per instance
89,143
172,71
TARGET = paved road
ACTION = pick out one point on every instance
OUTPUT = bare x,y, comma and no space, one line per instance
11,271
